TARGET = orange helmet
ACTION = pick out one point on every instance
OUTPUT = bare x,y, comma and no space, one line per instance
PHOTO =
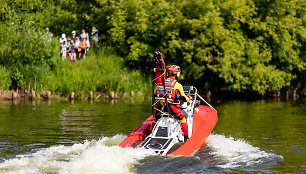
174,70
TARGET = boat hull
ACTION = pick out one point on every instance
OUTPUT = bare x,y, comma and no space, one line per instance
204,120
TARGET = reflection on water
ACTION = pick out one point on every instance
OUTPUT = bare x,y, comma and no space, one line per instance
251,136
27,126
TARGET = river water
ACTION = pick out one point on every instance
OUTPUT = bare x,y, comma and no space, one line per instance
251,136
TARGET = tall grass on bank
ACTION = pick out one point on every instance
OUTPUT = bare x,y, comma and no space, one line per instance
102,71
5,80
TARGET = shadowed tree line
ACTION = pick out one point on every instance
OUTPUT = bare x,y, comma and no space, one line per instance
225,46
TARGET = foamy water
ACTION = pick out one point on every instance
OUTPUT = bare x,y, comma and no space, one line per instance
105,156
232,153
102,156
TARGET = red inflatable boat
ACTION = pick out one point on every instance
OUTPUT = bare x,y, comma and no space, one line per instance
165,136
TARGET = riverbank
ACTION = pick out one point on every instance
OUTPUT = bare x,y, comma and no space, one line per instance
24,95
101,76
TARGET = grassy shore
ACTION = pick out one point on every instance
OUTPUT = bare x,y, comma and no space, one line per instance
102,74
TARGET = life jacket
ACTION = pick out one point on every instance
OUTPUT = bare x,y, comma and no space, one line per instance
170,92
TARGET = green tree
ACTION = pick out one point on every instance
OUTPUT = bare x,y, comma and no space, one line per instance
240,46
234,45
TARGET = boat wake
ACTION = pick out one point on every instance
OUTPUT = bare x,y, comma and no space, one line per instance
105,156
228,152
220,154
101,156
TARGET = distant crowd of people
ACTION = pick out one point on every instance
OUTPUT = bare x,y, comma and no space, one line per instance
77,47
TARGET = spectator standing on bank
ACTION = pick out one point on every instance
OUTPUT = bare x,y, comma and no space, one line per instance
87,46
73,37
82,48
49,34
64,50
94,36
63,42
71,52
76,47
68,45
84,34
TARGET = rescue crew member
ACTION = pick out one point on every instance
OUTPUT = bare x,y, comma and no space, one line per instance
175,94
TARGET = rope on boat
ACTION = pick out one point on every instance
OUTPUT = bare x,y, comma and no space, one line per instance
160,75
206,102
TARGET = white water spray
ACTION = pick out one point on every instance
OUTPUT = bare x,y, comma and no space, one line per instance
101,156
105,156
233,153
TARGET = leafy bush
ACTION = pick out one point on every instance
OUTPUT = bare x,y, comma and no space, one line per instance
17,78
21,43
27,52
5,79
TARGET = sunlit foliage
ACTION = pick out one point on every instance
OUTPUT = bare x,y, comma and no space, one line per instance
235,45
